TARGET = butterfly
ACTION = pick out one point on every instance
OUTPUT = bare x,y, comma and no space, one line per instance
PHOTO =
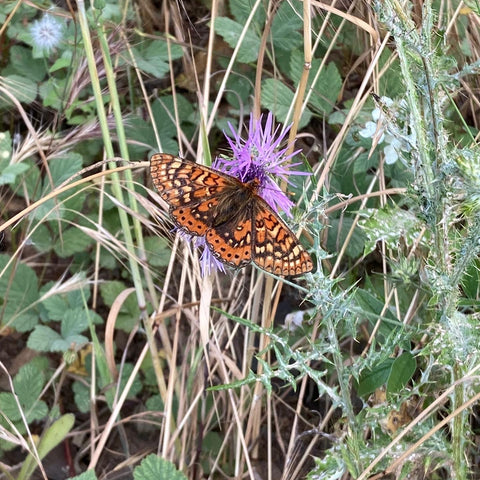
238,225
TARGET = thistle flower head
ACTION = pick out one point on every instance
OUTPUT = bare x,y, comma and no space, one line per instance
257,158
46,32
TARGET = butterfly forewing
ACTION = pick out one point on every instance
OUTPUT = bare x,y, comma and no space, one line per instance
181,182
238,225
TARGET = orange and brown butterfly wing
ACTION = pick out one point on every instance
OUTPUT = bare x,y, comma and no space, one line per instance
276,249
231,241
181,182
191,190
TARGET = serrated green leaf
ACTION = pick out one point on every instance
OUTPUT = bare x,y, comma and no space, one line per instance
22,63
153,57
154,467
42,338
56,305
388,225
74,322
159,251
402,371
28,384
9,407
63,344
73,241
88,475
81,394
231,31
52,92
278,98
327,86
64,167
9,174
326,90
242,10
286,26
155,403
20,293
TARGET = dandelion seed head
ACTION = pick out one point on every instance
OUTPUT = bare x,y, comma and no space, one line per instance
47,32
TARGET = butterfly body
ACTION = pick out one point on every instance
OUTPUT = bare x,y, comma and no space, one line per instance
238,225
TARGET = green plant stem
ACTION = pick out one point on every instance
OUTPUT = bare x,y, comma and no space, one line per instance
423,93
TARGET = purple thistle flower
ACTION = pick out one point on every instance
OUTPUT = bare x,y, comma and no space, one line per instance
257,157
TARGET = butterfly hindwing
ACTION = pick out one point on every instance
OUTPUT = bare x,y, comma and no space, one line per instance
276,248
231,241
195,219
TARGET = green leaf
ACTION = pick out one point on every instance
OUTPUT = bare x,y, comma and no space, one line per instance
278,98
21,88
242,10
19,288
129,312
64,62
8,407
402,371
338,234
155,468
73,241
22,63
286,26
81,394
64,167
371,307
239,89
153,57
52,92
74,322
327,86
9,174
55,434
372,379
158,250
88,475
165,123
42,338
230,31
28,384
56,305
136,384
388,225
